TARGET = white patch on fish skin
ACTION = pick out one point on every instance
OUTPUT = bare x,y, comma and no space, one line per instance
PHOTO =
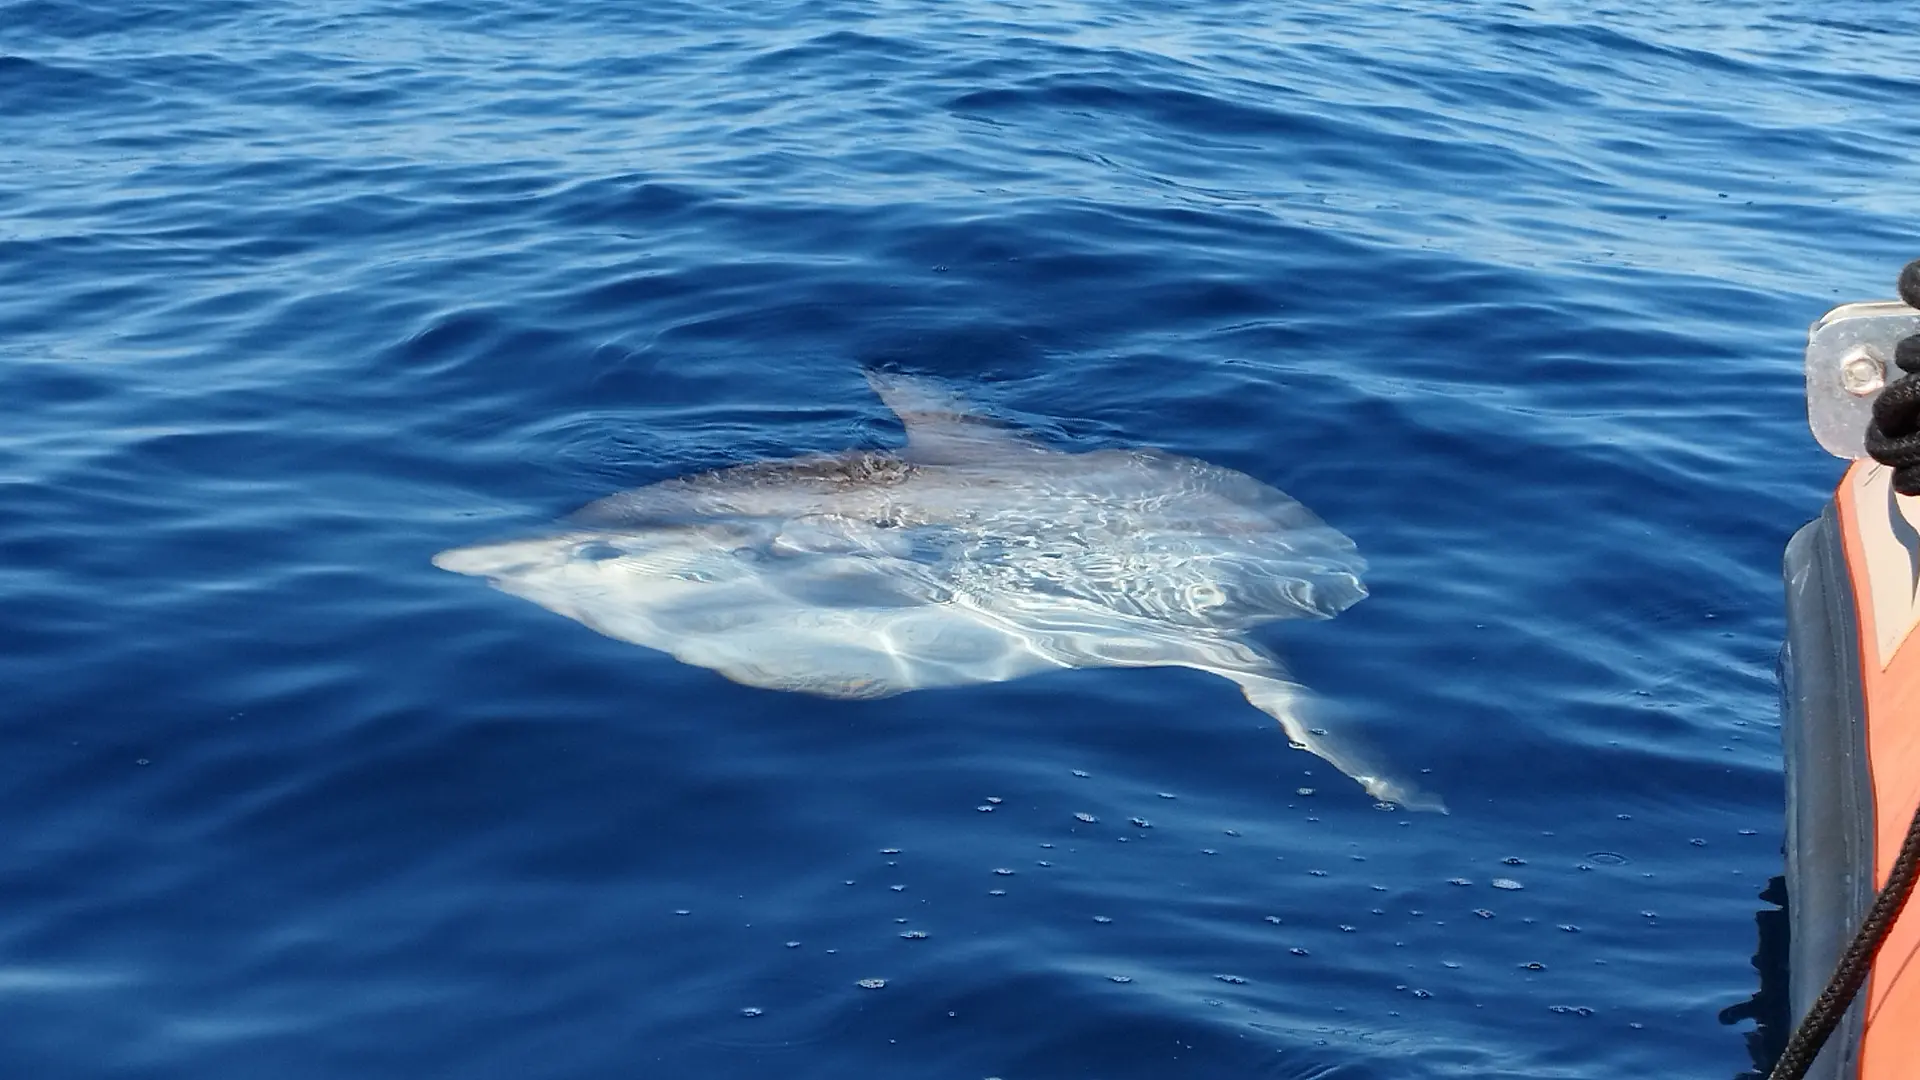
974,555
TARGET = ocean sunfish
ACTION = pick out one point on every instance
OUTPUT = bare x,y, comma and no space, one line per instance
972,555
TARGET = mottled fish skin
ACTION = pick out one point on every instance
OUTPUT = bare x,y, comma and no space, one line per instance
974,554
851,484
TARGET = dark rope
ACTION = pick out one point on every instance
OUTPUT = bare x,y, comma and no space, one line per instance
1832,1003
1893,438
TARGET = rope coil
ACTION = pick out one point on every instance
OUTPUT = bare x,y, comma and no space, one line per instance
1893,439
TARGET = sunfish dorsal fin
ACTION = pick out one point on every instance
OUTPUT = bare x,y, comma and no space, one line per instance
942,429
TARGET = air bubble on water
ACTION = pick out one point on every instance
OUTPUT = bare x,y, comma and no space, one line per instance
1506,883
871,984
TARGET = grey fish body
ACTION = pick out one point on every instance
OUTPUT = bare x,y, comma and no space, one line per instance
973,555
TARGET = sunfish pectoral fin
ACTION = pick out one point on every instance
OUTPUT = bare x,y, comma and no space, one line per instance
942,428
1291,704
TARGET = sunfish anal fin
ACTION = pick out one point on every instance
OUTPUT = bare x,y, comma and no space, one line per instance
1288,702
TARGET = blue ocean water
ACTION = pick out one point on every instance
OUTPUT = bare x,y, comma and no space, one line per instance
294,295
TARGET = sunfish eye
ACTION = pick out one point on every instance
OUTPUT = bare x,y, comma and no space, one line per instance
596,551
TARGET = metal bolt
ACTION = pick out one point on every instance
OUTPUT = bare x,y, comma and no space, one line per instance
1861,372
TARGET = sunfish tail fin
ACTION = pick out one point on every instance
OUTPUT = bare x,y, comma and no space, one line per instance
1290,703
